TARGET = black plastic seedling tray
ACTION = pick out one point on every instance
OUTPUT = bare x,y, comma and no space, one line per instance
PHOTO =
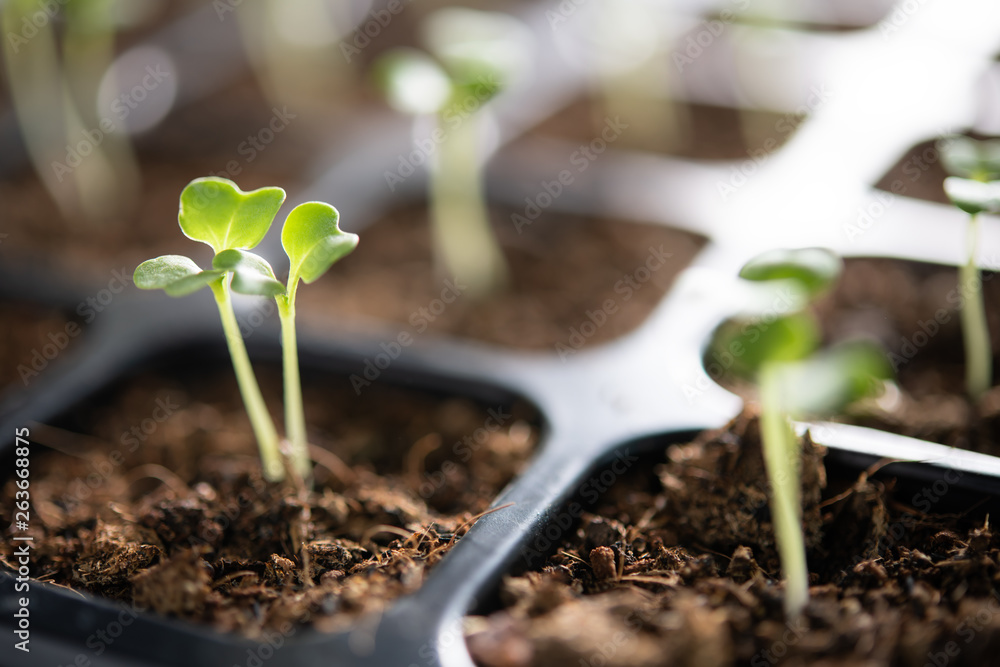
612,401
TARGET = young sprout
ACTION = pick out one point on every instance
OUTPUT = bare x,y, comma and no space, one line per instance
216,212
796,381
974,188
476,54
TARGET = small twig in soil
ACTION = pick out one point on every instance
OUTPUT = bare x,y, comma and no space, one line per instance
863,478
158,472
230,577
645,579
417,456
334,464
468,524
385,528
66,442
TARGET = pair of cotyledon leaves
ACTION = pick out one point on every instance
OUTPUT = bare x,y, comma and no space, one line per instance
974,165
811,383
216,212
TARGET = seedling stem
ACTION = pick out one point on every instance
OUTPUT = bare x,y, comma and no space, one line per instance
260,419
975,332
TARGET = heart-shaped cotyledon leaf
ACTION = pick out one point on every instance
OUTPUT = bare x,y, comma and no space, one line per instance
174,274
973,196
215,211
251,273
814,269
313,241
970,158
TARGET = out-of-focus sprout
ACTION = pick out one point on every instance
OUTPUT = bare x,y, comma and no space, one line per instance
55,61
634,72
974,188
296,49
476,55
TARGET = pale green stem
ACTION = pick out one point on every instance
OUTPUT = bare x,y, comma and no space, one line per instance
781,457
260,420
295,419
462,235
975,331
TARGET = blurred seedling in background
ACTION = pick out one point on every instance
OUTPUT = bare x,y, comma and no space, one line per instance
633,69
56,57
796,380
973,187
297,51
475,56
232,222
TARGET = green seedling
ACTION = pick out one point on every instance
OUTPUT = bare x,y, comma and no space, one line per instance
973,187
796,380
475,55
232,222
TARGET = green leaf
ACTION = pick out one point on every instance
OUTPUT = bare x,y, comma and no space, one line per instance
828,382
251,273
746,345
815,269
313,241
215,211
973,196
966,157
413,82
485,49
175,274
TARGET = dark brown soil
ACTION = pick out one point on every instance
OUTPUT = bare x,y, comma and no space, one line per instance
162,503
561,268
919,173
704,132
678,568
28,329
914,310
